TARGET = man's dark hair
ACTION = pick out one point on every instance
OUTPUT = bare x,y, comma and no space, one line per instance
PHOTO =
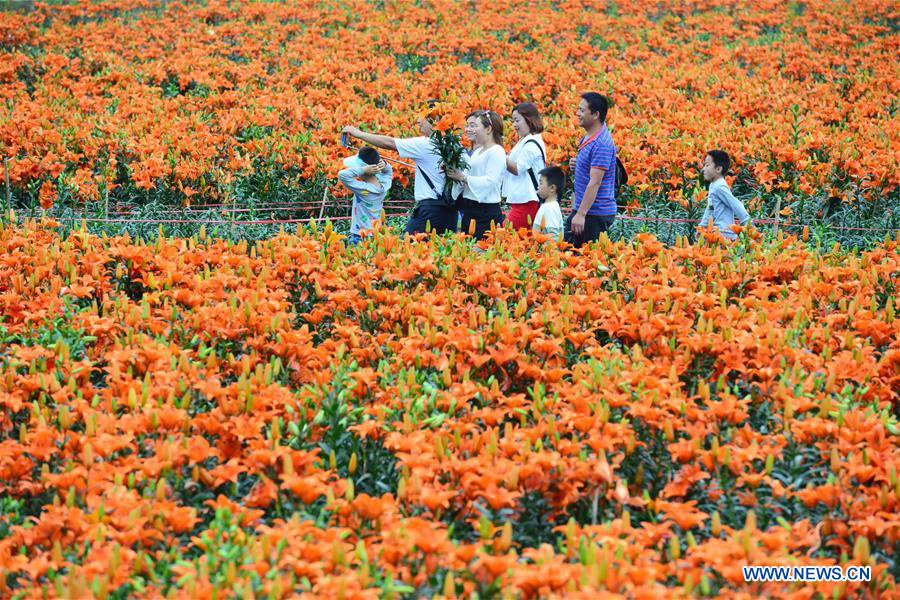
720,158
597,103
556,178
429,105
369,155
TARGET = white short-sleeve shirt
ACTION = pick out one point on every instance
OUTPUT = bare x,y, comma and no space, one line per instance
423,153
519,189
548,220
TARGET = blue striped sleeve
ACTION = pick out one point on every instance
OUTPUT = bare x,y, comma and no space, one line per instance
602,156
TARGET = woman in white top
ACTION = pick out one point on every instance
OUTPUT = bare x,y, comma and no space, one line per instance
482,179
471,124
526,160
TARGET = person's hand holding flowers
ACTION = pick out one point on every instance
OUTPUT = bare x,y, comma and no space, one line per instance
456,175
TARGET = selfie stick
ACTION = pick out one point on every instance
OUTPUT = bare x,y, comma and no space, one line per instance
345,142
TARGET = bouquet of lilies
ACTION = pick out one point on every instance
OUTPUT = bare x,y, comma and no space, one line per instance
446,135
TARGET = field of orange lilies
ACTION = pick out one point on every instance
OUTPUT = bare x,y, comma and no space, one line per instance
133,98
198,417
193,417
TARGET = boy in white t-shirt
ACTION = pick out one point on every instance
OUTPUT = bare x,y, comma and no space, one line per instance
549,219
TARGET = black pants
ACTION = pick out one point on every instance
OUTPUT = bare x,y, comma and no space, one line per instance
442,218
594,225
482,214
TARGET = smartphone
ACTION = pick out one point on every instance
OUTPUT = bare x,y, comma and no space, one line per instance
345,140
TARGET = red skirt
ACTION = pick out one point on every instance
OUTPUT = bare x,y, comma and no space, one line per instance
522,215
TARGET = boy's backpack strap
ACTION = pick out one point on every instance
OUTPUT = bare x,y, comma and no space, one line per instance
534,180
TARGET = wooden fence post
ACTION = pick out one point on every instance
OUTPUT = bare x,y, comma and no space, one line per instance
233,209
324,196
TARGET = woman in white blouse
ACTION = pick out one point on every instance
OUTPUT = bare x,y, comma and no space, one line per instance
482,180
526,160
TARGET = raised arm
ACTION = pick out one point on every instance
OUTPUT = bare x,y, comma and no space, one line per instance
386,176
349,177
379,141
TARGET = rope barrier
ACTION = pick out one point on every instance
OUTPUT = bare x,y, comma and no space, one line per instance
755,222
407,206
842,228
403,203
210,222
284,205
261,209
201,207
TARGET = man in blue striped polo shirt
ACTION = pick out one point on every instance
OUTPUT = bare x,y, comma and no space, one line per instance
595,174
